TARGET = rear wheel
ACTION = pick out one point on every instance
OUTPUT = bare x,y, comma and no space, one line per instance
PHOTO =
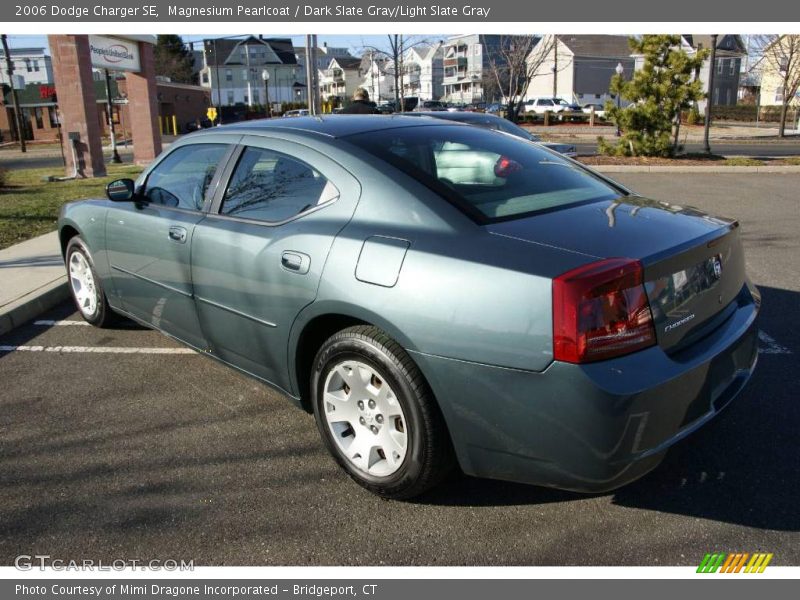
84,285
377,416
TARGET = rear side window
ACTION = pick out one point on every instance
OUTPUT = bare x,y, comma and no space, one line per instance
181,180
490,175
273,187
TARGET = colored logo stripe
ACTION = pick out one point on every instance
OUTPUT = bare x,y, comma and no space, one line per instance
734,563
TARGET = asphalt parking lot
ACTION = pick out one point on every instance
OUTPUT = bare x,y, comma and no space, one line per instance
119,444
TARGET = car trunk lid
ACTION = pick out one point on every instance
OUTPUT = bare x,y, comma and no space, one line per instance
693,262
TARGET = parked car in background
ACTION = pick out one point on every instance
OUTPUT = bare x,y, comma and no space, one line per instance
456,106
488,121
560,107
300,112
496,108
430,105
434,293
198,124
599,110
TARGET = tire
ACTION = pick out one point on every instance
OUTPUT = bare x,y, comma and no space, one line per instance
359,374
85,286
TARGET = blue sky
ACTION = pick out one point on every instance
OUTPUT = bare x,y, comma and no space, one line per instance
353,42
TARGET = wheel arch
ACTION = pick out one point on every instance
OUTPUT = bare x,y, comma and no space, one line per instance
65,234
316,324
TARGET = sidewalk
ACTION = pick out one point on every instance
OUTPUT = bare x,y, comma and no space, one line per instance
32,280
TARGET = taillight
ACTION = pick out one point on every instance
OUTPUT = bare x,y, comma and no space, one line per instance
600,310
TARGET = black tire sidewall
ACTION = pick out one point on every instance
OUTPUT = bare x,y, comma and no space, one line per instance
389,367
76,244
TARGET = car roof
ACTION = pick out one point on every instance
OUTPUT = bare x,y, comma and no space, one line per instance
462,117
327,125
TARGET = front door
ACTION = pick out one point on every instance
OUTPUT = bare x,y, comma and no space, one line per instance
149,240
258,258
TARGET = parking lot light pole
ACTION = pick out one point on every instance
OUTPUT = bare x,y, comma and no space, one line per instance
619,70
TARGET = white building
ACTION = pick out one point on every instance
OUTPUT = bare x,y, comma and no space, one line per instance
233,69
340,78
580,67
324,55
377,77
32,64
423,72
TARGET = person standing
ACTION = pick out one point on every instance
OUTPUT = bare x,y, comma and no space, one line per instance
360,105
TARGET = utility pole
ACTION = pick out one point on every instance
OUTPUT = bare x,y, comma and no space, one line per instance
555,66
310,66
712,67
14,99
110,109
315,77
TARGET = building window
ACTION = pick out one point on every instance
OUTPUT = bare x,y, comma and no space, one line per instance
53,114
36,66
205,77
779,94
728,96
230,97
28,65
246,99
39,116
720,65
716,95
732,70
228,75
256,97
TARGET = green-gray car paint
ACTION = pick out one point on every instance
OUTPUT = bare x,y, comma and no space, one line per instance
470,302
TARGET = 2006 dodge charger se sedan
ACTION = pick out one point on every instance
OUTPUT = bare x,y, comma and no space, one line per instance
436,293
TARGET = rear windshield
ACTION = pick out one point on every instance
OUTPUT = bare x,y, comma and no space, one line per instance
490,175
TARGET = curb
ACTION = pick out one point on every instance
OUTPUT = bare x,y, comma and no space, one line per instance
33,304
786,169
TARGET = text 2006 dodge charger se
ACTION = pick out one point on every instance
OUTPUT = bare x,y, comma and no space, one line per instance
437,294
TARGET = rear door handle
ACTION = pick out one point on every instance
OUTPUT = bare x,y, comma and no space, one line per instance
296,262
177,234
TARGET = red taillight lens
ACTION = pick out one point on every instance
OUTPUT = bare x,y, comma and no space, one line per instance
600,311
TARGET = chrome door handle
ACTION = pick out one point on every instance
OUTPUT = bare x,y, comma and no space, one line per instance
177,234
296,262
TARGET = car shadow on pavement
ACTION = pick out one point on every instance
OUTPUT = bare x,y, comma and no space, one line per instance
740,468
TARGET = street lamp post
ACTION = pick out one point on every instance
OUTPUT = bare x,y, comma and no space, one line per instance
265,77
619,70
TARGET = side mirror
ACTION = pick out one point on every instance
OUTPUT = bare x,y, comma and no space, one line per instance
121,190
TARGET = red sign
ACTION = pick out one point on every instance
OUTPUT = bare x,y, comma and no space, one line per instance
46,92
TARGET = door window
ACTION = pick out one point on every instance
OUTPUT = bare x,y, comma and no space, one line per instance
273,187
181,180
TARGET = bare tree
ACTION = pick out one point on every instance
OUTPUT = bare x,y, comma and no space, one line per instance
515,61
781,56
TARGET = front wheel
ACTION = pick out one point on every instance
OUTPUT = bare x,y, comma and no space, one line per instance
84,284
377,416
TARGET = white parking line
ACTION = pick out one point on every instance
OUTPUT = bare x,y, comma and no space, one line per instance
95,350
770,346
49,323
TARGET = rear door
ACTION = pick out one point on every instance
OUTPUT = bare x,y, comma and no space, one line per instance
258,257
149,240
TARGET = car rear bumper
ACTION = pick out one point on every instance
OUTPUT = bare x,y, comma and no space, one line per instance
593,427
